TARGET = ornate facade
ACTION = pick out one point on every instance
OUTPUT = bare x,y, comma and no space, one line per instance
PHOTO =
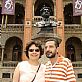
19,30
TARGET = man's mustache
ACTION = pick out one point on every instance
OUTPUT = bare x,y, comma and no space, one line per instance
48,52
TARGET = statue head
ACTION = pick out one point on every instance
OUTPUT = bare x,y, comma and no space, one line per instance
45,11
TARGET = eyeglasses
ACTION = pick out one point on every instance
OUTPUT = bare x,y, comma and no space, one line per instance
36,50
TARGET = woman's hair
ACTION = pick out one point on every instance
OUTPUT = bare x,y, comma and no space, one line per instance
37,44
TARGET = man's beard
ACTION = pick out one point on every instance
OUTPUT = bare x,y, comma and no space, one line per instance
50,54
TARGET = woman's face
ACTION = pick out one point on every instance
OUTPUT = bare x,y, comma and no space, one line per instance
34,52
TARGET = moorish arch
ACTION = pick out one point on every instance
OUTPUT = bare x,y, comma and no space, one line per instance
39,4
0,52
19,13
13,49
73,48
68,15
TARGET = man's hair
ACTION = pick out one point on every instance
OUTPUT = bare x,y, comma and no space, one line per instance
53,39
37,44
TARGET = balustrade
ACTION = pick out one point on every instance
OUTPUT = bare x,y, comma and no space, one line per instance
13,28
9,63
73,27
77,64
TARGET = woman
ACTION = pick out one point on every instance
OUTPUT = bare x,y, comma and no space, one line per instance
31,70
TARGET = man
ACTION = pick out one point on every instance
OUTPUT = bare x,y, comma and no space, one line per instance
59,68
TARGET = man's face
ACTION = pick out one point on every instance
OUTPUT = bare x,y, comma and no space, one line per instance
50,49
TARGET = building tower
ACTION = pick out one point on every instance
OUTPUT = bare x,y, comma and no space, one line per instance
32,13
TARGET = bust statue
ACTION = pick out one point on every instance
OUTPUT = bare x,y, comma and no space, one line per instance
46,23
45,12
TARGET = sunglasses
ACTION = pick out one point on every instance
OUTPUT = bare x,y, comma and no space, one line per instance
36,50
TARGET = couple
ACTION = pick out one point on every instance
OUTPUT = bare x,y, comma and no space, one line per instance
56,70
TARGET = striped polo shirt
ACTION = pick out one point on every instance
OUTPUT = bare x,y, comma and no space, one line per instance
61,71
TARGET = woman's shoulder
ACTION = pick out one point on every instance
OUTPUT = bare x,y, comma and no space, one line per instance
22,63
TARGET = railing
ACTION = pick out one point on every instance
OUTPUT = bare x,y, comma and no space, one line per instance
73,27
14,64
9,63
77,64
39,18
20,27
13,28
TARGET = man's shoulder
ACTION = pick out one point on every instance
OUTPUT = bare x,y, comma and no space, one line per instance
64,59
60,59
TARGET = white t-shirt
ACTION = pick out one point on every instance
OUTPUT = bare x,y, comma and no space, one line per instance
28,71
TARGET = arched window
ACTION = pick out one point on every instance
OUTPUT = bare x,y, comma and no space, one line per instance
19,13
16,53
71,52
68,15
39,4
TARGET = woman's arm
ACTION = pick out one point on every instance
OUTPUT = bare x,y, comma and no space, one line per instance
16,75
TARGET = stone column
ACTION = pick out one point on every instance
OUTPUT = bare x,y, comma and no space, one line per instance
81,19
60,29
28,24
2,54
